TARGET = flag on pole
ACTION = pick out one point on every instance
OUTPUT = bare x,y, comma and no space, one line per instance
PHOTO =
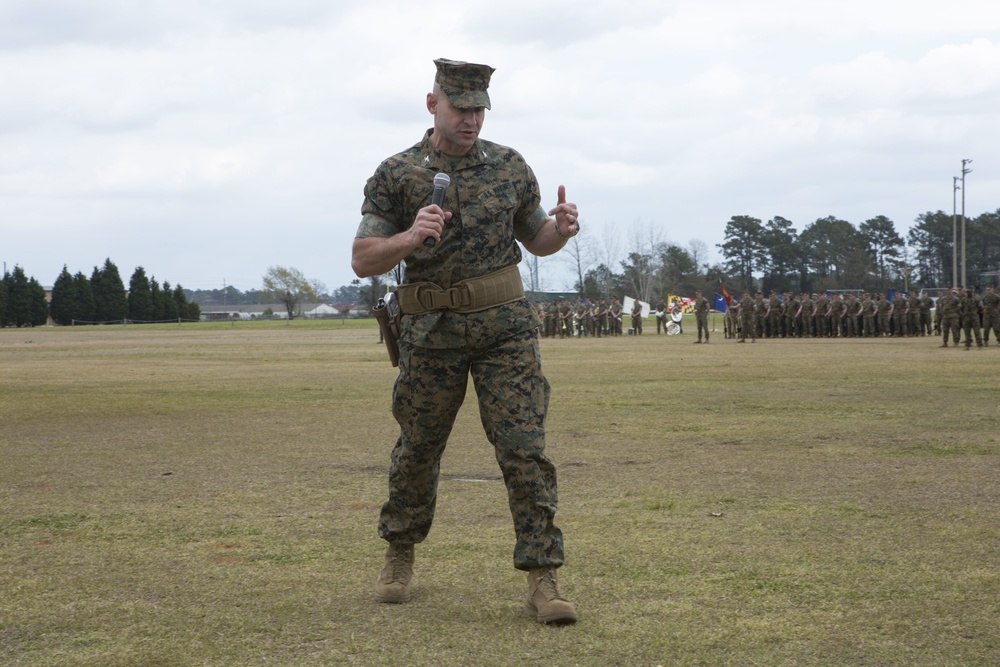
628,303
720,303
725,294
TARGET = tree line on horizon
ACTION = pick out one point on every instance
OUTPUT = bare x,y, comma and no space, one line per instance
77,299
829,254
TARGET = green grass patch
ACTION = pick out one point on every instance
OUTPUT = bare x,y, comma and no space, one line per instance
207,494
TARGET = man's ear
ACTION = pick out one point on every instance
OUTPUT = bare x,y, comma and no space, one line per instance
431,103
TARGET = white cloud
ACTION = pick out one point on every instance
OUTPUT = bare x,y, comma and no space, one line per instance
244,131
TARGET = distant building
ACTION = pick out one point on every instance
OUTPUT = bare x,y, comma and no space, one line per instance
550,296
274,311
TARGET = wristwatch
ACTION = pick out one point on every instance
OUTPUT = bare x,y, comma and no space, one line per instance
567,236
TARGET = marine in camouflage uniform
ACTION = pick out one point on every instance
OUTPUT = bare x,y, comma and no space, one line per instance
661,316
773,316
565,321
804,317
991,315
898,315
926,306
821,309
969,308
948,318
636,316
913,315
792,305
701,308
601,317
836,317
869,311
852,312
883,312
492,203
759,314
615,317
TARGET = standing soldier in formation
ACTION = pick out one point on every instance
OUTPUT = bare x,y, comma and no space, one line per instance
926,305
991,316
791,308
616,317
661,316
747,319
852,312
565,319
969,309
820,308
773,316
836,319
701,308
948,319
913,315
759,308
898,312
869,311
602,318
582,318
883,312
806,315
636,315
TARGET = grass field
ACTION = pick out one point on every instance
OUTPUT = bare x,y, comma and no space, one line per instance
207,494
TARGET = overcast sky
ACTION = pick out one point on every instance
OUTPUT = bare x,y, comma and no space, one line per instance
206,140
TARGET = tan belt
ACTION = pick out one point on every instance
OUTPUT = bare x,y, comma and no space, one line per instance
467,296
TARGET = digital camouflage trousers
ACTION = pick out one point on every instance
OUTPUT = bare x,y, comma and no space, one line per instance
513,400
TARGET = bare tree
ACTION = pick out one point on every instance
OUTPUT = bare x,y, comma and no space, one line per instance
532,271
580,254
646,242
608,255
290,287
698,250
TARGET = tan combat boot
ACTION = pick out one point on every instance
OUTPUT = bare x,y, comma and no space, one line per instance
544,601
393,583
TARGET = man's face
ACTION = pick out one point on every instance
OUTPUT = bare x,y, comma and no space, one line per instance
455,130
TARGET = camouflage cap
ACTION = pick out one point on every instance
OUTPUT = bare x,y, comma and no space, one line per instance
465,84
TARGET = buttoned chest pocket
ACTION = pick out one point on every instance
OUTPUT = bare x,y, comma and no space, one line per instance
499,198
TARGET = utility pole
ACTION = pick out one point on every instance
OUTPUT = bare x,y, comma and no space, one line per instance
954,233
965,269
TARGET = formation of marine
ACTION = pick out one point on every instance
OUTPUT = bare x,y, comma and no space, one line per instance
597,317
563,319
803,315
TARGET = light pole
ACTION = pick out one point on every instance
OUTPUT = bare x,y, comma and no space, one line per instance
954,233
906,280
964,267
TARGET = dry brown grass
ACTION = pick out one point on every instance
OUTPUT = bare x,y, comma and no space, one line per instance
207,495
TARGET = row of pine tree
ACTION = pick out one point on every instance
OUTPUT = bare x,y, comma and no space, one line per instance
101,298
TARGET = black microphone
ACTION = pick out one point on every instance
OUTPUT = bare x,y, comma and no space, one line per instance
441,183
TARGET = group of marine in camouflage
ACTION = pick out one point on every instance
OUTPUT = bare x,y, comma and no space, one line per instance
562,319
819,316
802,316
